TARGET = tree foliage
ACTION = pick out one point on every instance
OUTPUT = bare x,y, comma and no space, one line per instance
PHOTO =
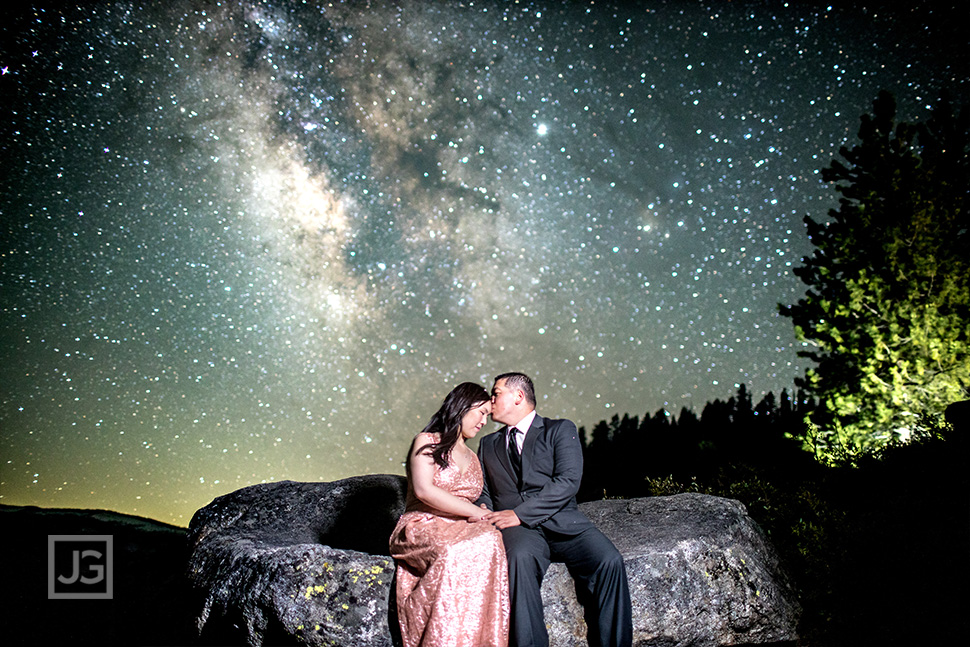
886,315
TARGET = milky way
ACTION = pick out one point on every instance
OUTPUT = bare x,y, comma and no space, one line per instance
247,242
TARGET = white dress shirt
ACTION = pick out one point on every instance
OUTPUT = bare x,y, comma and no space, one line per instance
521,428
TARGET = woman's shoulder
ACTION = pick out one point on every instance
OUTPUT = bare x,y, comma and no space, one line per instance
427,437
425,441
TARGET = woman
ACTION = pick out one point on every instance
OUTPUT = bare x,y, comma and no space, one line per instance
452,575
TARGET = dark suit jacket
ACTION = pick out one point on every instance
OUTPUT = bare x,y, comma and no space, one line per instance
552,468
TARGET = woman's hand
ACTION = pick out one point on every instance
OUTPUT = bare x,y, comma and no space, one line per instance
479,517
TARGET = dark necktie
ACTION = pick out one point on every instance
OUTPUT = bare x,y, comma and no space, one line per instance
514,456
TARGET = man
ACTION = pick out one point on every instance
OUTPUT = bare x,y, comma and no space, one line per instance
533,467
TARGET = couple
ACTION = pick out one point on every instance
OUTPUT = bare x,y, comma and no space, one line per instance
478,533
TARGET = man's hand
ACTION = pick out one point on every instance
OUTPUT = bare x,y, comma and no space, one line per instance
503,519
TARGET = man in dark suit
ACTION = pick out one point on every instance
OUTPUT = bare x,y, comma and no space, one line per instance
533,467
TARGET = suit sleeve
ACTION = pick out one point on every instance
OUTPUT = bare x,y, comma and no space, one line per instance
486,496
564,484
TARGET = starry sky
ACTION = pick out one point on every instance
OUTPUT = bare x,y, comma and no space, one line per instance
256,241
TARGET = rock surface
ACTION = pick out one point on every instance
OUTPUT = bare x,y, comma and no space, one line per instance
297,563
701,573
307,564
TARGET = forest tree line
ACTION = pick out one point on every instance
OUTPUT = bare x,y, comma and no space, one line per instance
622,453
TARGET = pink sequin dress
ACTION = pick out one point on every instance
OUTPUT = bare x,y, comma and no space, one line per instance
452,575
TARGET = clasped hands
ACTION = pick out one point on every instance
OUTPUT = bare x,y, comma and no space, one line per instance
500,518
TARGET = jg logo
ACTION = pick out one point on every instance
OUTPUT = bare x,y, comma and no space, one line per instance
79,567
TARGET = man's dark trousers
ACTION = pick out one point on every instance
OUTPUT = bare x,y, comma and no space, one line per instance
596,567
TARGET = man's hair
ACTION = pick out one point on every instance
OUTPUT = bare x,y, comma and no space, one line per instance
519,381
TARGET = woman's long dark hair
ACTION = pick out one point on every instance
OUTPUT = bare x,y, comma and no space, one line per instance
447,420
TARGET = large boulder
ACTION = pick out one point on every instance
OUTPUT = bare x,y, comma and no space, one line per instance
307,564
701,573
296,563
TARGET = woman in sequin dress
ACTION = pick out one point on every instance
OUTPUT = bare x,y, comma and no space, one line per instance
452,575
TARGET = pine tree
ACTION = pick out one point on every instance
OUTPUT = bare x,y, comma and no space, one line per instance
887,313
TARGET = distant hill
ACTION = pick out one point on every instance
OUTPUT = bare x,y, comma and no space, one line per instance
151,604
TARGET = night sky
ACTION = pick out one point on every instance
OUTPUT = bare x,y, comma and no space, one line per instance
256,241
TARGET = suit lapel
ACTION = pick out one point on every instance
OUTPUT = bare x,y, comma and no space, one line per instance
528,447
499,447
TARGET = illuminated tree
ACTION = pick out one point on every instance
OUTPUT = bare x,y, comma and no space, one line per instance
886,315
